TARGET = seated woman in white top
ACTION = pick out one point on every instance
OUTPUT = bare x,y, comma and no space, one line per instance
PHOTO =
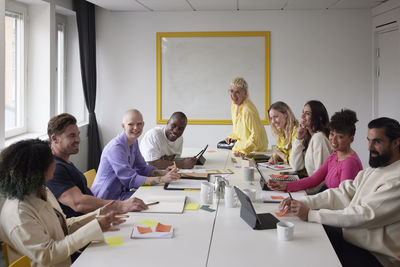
311,146
31,221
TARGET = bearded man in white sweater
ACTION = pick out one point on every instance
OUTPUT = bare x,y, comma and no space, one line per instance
362,216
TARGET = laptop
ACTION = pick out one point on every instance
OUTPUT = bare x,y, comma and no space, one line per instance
256,221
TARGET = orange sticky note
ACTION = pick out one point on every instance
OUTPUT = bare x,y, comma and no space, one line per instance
163,228
144,230
211,151
278,167
282,213
277,197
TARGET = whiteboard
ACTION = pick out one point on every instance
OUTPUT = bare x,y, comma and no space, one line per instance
194,71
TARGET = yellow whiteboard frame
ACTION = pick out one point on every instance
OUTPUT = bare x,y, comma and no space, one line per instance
160,35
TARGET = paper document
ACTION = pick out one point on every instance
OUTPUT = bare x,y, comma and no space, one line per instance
278,196
275,167
167,204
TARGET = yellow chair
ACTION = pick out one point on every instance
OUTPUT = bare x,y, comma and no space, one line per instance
21,262
90,175
5,253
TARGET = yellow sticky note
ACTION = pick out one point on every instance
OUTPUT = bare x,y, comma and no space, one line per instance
146,186
114,241
149,223
192,206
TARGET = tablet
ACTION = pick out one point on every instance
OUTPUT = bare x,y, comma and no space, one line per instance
201,152
200,159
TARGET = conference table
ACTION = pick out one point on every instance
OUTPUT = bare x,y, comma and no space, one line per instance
219,238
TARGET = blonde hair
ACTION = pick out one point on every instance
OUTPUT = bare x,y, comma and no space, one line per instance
291,121
240,82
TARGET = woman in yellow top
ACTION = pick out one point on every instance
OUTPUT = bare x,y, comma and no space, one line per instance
283,125
248,130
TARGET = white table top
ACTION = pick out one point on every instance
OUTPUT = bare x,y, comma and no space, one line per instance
218,238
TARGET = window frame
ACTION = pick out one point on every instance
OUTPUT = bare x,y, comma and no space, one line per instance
11,6
59,95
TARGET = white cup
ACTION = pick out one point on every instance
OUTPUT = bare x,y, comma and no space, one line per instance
285,230
248,173
206,193
230,197
251,193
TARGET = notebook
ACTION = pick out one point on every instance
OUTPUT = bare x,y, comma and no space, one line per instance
167,204
284,177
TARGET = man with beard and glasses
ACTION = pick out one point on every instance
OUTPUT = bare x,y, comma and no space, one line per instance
362,216
69,184
161,145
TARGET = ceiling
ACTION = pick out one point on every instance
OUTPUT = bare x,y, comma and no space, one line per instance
232,5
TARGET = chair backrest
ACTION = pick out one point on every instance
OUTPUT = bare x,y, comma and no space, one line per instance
5,253
90,175
21,262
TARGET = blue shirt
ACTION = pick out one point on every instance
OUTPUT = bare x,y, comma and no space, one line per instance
66,176
122,170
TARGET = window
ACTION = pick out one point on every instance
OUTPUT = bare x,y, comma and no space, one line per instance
59,94
14,73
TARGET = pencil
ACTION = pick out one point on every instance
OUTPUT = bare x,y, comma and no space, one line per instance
290,195
174,164
153,203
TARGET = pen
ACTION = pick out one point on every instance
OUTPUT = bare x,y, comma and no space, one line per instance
153,203
174,164
116,216
290,195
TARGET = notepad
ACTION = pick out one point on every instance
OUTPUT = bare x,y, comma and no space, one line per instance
283,212
114,241
159,231
192,206
167,204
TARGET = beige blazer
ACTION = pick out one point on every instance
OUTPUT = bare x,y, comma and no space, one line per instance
31,227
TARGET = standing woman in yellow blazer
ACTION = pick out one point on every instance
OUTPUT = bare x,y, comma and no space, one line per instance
283,124
248,130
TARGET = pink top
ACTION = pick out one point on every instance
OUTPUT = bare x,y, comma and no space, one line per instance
333,171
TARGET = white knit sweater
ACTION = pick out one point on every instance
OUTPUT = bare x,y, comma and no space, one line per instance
368,210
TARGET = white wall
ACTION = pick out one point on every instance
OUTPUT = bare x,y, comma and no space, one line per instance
39,81
323,55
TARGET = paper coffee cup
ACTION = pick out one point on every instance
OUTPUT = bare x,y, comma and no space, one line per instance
285,231
248,173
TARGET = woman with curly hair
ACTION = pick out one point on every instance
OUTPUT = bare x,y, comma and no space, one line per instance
283,125
342,165
32,221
